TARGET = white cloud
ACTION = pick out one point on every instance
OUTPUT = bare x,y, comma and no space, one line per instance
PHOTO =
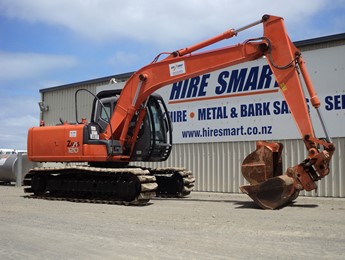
30,65
125,59
157,21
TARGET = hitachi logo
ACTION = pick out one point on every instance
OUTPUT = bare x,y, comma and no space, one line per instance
227,82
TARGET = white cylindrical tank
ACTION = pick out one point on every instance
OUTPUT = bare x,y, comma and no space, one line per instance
13,167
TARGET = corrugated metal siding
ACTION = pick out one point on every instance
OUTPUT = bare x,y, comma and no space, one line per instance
217,166
62,104
321,45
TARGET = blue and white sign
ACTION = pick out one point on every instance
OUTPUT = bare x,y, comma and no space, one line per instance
243,102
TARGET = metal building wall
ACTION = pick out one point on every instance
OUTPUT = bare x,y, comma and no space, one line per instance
61,99
217,166
62,104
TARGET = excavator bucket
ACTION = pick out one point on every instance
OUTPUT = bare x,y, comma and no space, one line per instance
263,170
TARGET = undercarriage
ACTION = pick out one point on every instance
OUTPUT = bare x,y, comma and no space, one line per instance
128,186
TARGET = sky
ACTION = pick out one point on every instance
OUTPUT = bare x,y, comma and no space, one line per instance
47,43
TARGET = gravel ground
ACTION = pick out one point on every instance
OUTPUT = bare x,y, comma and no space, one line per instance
202,226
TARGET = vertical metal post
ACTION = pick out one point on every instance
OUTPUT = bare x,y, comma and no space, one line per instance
19,173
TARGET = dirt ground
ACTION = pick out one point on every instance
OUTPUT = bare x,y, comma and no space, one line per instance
202,226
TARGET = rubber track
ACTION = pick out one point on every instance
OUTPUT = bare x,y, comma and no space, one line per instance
148,183
171,173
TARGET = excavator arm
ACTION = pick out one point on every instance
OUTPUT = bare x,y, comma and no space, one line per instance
263,168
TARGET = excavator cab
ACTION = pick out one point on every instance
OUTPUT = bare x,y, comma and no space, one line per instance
154,140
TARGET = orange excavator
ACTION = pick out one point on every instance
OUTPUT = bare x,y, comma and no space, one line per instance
132,124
